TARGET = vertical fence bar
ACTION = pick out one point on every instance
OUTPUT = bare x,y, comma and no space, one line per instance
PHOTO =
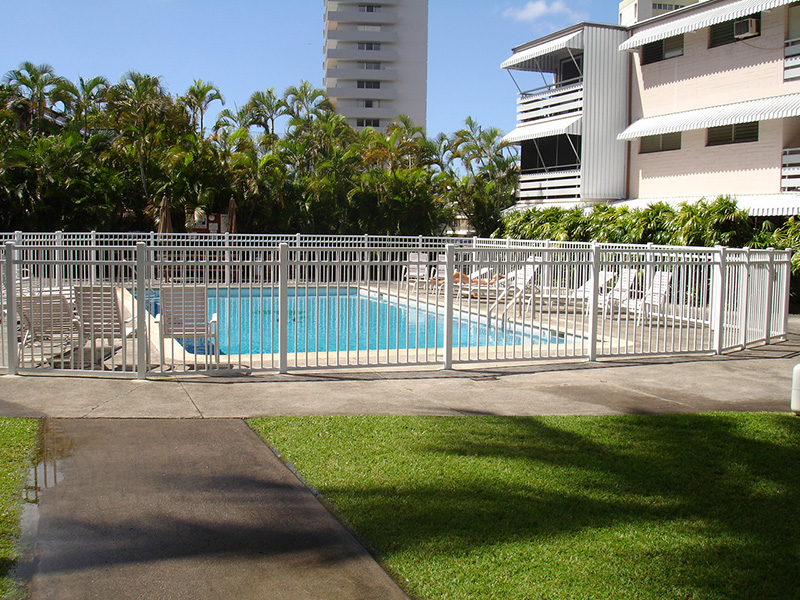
770,285
227,258
743,300
594,295
450,268
787,286
59,266
12,343
142,341
718,300
283,307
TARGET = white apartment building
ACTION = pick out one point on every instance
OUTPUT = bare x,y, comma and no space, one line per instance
635,11
376,60
712,104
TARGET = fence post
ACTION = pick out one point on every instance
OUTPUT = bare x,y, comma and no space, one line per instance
744,300
787,286
718,304
450,268
770,285
142,341
94,267
12,343
594,295
60,266
227,258
283,308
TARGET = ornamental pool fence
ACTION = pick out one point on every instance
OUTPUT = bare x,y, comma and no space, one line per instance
140,305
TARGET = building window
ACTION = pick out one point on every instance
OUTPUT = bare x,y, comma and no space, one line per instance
365,27
369,103
733,134
660,143
368,122
369,85
371,66
662,49
369,8
726,33
371,46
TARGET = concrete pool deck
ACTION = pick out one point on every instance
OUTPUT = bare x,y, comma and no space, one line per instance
748,380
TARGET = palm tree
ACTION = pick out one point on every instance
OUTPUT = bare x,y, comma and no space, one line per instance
304,102
198,98
264,109
138,105
35,85
84,101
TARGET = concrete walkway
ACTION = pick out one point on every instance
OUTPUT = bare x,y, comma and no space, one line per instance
189,509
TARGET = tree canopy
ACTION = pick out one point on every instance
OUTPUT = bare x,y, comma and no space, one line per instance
95,155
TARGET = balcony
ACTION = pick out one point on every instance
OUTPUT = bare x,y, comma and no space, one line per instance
356,93
355,74
353,53
791,60
353,16
553,101
559,183
356,35
790,170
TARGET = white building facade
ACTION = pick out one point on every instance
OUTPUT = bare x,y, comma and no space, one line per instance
711,99
376,60
567,126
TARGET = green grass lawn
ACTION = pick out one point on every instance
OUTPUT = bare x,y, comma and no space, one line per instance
18,441
639,507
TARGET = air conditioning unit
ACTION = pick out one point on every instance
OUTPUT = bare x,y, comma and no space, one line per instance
745,28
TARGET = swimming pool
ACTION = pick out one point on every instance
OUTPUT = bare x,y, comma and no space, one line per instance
325,319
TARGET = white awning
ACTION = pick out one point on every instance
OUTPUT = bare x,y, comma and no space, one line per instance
545,129
573,40
761,205
763,109
700,19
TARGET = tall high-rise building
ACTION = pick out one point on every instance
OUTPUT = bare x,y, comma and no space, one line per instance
376,60
632,12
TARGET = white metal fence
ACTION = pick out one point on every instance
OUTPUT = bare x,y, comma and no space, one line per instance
147,304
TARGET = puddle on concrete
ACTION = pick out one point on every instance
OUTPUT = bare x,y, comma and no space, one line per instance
54,447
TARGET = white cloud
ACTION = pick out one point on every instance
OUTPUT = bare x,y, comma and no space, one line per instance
537,9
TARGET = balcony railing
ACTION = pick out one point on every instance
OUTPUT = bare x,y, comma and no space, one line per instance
791,60
551,101
554,184
790,170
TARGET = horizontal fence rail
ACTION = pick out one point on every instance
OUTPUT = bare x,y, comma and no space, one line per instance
139,305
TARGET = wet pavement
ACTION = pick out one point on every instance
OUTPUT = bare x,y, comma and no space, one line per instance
196,509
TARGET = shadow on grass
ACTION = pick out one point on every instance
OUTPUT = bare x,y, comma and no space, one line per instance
690,506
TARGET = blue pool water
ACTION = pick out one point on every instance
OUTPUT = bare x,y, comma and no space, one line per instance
341,319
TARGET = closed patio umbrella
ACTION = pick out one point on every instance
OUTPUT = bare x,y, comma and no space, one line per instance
164,219
231,226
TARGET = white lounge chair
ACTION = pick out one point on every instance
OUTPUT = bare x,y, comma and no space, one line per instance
415,272
654,298
620,294
49,319
183,314
579,297
99,317
100,314
517,289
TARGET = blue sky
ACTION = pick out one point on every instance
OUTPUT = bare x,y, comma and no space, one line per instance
247,45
